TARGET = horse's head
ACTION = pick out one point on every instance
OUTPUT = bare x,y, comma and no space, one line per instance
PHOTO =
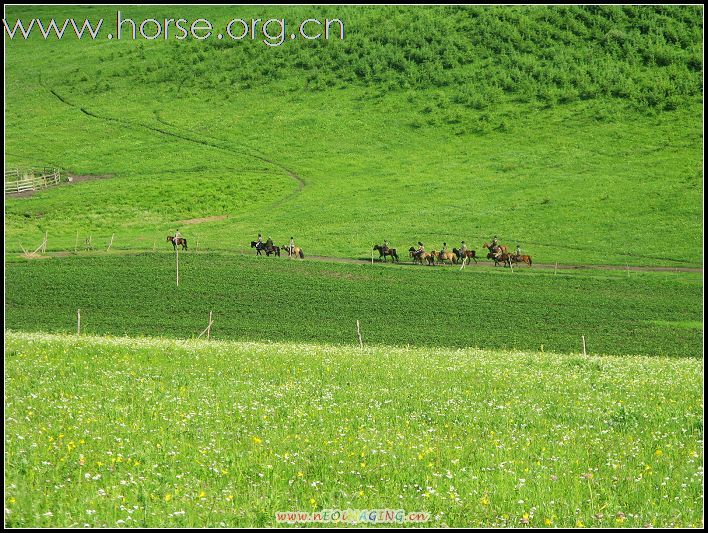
253,244
377,247
411,249
486,245
170,238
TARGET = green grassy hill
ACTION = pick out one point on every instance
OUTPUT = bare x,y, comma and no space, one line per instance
574,131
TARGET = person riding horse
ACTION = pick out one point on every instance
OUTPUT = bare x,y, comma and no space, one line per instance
420,251
385,247
259,242
496,248
518,250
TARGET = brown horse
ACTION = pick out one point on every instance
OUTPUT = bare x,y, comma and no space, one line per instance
521,259
503,258
419,258
489,247
388,251
178,241
445,256
297,252
467,254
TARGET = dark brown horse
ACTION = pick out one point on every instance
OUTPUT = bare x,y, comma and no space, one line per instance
260,247
387,251
503,258
467,254
181,241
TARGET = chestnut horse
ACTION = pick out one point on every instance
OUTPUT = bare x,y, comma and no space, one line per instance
521,259
489,247
445,256
419,258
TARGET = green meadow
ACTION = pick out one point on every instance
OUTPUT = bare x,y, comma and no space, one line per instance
424,124
122,432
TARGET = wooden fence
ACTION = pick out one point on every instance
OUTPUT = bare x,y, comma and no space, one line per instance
30,180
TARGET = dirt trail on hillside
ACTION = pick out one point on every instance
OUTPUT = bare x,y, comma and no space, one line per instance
179,135
543,266
376,262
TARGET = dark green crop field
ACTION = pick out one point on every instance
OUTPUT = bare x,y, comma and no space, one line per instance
280,300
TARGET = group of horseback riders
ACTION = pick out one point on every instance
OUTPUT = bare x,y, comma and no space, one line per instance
268,247
497,252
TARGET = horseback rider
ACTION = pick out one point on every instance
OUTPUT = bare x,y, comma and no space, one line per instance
385,246
420,251
291,248
259,242
518,250
444,248
463,248
178,236
269,243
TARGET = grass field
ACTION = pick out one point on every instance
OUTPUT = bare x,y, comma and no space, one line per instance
258,298
264,141
147,432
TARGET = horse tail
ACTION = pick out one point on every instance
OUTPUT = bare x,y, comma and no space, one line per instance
302,255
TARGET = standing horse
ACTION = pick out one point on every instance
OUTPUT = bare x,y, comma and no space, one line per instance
419,258
521,259
258,246
503,258
272,250
297,252
445,256
384,252
467,254
489,247
178,241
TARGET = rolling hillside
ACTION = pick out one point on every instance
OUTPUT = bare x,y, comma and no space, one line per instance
575,132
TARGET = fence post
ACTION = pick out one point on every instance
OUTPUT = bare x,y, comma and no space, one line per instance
177,251
78,321
76,244
110,243
209,326
358,332
584,352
